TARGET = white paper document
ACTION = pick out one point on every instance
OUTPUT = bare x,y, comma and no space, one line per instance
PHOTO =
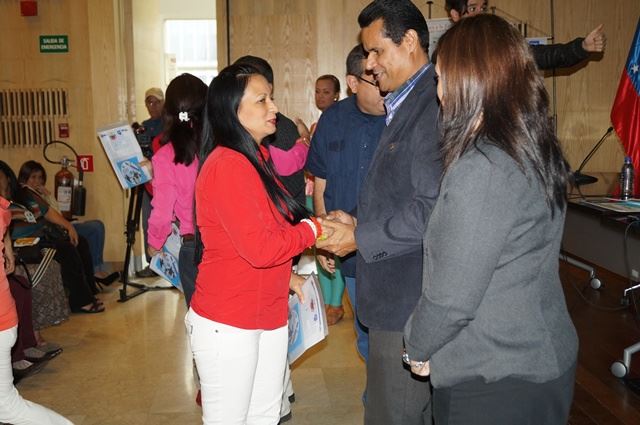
308,320
306,265
124,153
166,262
629,206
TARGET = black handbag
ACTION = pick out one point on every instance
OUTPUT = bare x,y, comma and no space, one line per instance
51,234
29,254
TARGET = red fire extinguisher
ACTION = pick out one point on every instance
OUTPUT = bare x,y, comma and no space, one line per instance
64,188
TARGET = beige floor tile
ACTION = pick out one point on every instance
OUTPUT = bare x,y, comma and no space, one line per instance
132,366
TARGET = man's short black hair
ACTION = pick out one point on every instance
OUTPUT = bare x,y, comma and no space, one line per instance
355,60
398,16
261,65
459,6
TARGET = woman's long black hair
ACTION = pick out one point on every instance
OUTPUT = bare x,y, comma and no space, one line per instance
222,128
493,90
182,117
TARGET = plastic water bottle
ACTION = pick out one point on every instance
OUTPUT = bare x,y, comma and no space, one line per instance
626,179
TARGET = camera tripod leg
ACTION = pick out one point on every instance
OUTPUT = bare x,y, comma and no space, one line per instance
132,226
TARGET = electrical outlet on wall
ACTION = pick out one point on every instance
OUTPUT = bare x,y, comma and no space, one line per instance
635,275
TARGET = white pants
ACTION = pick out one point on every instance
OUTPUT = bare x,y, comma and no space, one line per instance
241,371
285,407
13,408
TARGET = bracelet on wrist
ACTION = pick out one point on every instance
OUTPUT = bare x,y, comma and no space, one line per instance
318,226
312,225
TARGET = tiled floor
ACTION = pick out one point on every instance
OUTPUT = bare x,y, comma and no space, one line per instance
132,366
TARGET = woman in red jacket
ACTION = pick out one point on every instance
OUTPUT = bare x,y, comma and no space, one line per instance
250,229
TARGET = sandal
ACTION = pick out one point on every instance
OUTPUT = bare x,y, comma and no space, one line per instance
95,308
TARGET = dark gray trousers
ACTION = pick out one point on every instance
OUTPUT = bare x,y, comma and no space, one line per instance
507,401
188,269
394,395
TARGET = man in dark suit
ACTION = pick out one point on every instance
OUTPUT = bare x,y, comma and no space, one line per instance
395,202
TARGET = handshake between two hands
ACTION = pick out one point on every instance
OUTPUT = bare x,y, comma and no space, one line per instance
338,236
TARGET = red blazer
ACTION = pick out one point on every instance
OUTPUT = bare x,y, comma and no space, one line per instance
243,279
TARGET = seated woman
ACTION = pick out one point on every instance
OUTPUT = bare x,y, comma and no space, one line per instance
25,354
492,327
33,174
32,217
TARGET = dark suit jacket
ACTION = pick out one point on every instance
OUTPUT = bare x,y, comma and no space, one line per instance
393,208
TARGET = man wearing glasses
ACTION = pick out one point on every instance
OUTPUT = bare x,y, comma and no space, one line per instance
346,137
546,56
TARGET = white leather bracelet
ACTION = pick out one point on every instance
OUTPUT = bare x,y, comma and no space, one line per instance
312,225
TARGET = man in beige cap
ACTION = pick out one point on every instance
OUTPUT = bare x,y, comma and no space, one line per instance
154,101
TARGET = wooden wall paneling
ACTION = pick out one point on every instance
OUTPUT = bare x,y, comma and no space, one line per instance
282,32
109,98
583,95
221,37
148,60
337,33
91,74
588,94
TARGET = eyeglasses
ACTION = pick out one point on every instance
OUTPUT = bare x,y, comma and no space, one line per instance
373,83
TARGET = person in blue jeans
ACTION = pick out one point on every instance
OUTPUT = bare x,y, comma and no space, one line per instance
342,148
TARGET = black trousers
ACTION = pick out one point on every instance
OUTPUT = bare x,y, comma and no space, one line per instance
394,395
76,267
505,402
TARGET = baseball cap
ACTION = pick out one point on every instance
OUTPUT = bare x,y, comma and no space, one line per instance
155,92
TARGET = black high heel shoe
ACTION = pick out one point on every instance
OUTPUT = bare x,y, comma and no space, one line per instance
108,280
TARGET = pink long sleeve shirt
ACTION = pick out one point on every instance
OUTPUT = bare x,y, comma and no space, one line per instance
291,161
173,193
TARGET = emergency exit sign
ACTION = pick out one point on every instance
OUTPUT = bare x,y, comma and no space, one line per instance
54,43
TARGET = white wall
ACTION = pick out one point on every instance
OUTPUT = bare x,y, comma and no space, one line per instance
148,40
187,9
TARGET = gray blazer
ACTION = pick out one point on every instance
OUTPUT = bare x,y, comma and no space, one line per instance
492,305
394,204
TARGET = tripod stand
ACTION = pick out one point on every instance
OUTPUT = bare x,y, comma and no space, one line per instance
132,226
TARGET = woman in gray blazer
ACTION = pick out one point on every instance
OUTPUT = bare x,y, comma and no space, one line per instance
491,327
